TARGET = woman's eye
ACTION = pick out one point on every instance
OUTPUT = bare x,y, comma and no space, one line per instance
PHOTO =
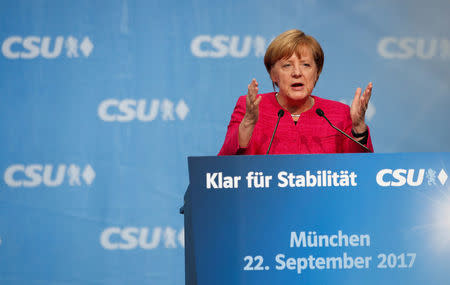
286,65
307,64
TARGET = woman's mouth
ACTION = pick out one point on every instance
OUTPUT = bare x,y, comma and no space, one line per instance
297,85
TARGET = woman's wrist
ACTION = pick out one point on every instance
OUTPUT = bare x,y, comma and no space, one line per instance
359,129
245,132
360,134
361,137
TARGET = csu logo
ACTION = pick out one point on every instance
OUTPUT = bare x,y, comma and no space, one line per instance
115,238
412,177
33,175
405,48
127,110
222,45
30,47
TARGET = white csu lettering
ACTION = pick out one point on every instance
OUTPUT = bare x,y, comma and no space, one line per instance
36,174
126,110
19,175
31,47
116,238
399,177
222,45
407,47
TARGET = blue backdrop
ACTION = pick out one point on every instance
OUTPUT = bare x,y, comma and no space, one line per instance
102,101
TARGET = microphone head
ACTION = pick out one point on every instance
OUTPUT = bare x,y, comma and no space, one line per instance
320,112
280,113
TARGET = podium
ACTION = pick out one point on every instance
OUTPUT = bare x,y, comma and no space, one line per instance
318,219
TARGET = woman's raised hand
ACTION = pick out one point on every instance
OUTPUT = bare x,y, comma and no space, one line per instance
252,103
359,107
251,114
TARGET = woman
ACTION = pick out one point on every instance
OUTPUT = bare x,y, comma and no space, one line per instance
294,62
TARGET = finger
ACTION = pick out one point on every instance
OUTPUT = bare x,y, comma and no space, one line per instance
368,93
257,101
366,96
356,99
252,84
250,93
253,90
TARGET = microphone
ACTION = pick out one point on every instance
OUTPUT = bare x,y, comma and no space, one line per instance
280,114
321,113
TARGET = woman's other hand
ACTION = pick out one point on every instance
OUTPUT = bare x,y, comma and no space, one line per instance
359,107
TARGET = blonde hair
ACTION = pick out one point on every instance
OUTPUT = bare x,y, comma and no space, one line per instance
290,42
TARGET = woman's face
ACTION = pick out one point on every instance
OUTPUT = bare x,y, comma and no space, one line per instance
296,77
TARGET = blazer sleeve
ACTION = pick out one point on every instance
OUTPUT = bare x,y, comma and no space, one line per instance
231,143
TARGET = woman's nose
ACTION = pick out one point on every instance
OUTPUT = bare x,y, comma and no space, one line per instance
297,71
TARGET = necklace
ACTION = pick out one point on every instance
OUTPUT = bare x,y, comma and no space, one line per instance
292,115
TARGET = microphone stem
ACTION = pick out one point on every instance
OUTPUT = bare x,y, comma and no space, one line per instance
273,135
360,144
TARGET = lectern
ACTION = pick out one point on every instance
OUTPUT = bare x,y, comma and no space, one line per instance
318,219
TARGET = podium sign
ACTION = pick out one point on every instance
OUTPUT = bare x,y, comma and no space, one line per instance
318,219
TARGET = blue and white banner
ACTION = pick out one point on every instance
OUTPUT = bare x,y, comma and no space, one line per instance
320,219
101,102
